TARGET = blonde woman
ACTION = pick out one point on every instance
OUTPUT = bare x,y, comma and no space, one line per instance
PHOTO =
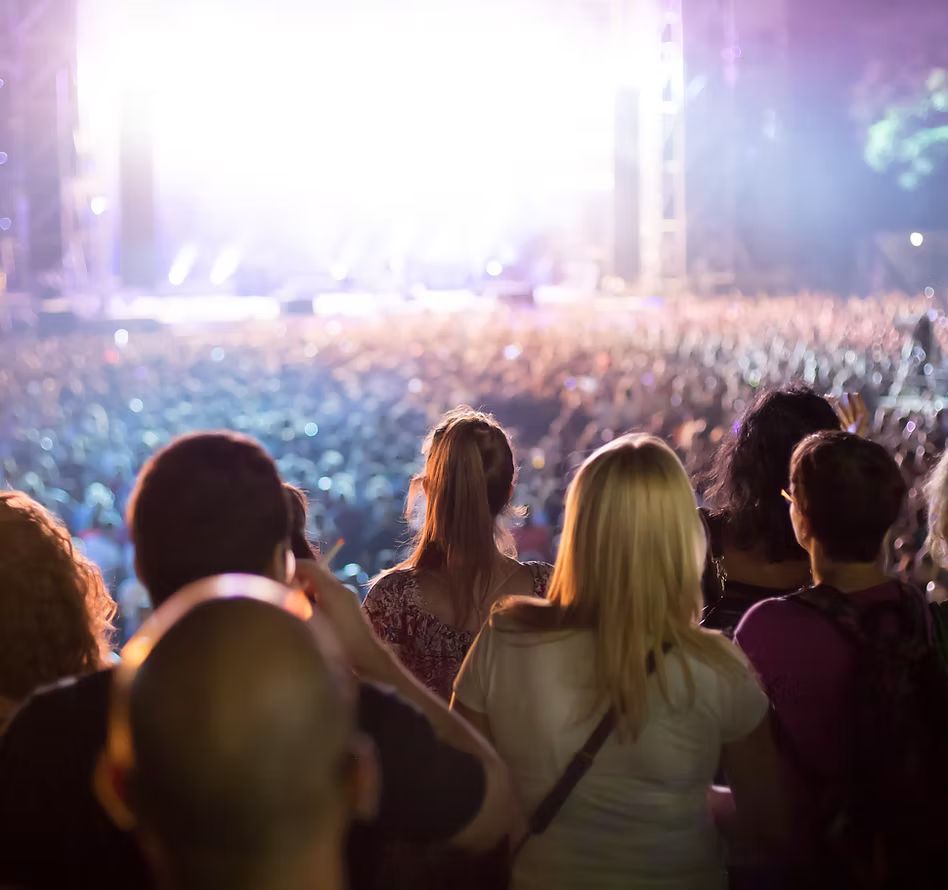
625,597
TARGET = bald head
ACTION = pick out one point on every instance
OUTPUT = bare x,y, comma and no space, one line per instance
241,728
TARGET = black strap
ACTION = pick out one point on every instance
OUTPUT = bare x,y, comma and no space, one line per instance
582,760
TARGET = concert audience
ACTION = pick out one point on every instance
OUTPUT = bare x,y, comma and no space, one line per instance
236,772
343,402
55,611
431,606
615,646
753,553
205,505
849,667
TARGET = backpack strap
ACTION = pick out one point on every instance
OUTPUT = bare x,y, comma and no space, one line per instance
578,766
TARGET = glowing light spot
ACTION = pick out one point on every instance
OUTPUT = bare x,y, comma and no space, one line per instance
98,205
415,385
916,239
217,354
311,429
46,443
182,265
225,265
136,406
512,351
324,484
494,268
929,292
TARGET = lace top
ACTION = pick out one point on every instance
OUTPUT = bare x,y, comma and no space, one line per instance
429,648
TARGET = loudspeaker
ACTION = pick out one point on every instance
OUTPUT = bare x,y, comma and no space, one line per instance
137,185
626,214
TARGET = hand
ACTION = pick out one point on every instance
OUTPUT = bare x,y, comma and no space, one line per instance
340,608
852,412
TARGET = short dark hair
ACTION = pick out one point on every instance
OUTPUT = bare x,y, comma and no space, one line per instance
207,504
851,492
753,464
298,504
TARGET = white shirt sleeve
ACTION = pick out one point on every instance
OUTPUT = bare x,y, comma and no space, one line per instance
743,704
471,683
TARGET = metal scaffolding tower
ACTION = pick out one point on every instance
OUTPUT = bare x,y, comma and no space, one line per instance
39,118
650,53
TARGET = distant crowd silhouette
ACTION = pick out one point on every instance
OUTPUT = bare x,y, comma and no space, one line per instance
723,678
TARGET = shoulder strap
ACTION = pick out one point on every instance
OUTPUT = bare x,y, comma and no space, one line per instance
578,766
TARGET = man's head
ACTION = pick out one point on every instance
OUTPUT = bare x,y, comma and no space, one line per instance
847,493
207,504
242,768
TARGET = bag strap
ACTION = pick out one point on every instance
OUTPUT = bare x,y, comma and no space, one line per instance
578,766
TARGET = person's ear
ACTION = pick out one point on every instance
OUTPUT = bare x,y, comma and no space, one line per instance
365,782
801,527
283,564
110,783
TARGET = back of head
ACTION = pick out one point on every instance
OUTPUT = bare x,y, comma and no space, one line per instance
467,482
55,611
240,727
629,567
850,491
752,466
300,545
207,504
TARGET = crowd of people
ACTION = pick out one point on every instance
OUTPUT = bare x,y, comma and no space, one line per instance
686,656
343,404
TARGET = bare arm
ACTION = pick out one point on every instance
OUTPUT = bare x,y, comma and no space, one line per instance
374,662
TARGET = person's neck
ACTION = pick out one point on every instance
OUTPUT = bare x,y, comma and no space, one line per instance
846,576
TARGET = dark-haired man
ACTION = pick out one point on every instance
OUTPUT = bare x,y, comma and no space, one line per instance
210,504
849,669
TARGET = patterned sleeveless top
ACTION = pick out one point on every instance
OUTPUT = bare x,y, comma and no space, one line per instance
429,648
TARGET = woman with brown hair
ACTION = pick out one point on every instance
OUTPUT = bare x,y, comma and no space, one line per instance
55,611
430,607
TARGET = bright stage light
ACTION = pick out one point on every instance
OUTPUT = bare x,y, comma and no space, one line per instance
441,128
917,239
98,205
494,268
182,265
225,265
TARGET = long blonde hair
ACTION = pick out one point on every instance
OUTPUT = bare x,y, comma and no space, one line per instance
467,482
629,568
936,494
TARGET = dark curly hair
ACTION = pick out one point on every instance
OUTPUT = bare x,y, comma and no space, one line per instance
742,487
55,611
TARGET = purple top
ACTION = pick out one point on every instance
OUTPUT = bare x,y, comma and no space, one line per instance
807,667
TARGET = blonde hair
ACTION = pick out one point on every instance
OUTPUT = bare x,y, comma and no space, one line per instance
629,568
936,494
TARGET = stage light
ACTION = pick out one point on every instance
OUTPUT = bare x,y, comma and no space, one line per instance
917,239
494,268
338,272
5,223
929,292
225,265
182,265
121,337
98,205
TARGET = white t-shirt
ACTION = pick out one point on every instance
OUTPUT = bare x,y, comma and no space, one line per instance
639,818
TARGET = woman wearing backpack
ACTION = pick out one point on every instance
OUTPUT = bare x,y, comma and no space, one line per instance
612,662
860,701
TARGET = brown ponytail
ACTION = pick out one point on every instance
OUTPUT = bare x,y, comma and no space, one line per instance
469,471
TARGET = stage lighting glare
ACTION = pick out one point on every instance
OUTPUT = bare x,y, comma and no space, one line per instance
5,223
917,239
338,272
98,205
3,157
121,337
225,265
494,268
929,292
182,265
